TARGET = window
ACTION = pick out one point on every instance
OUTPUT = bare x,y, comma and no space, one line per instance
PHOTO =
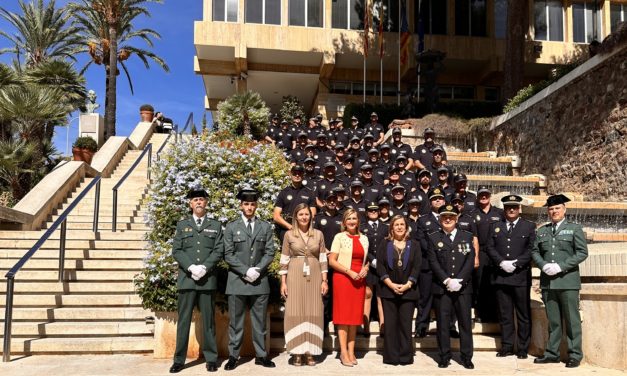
500,19
347,14
433,14
491,94
306,12
470,17
225,10
549,20
263,11
586,22
457,92
617,14
390,14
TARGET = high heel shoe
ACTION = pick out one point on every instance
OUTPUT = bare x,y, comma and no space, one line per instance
354,361
309,360
347,363
297,360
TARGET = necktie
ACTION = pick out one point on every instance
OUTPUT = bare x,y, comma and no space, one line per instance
198,222
554,228
249,227
374,225
450,236
510,227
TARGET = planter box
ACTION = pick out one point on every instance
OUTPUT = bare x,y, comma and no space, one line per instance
165,335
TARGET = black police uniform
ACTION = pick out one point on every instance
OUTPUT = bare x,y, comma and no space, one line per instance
425,204
434,173
288,199
373,192
426,224
466,222
400,149
512,289
424,154
324,186
376,231
298,155
359,206
470,201
375,129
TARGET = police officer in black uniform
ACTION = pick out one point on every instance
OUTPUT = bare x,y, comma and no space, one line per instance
385,155
423,180
355,130
451,258
379,169
355,199
298,154
376,129
373,191
312,174
400,148
437,158
289,198
326,183
460,183
413,215
398,206
348,173
510,243
423,154
384,210
407,178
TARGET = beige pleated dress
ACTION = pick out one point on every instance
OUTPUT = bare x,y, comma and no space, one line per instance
304,260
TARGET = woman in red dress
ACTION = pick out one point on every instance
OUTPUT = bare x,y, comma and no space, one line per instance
348,259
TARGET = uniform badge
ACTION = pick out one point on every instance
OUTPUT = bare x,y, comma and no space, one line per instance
304,181
497,229
238,233
478,216
428,223
323,221
512,198
289,197
440,244
423,151
323,187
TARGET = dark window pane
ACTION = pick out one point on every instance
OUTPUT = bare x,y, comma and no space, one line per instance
218,10
556,21
273,12
491,94
539,10
297,12
500,19
231,10
392,15
464,92
356,14
253,11
478,18
314,13
438,17
446,92
615,15
462,17
579,28
339,18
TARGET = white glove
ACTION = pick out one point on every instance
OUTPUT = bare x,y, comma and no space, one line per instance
508,266
552,269
252,274
198,271
373,263
195,269
454,285
546,268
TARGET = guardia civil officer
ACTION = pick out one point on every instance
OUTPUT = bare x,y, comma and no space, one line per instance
248,250
451,257
509,246
197,247
559,248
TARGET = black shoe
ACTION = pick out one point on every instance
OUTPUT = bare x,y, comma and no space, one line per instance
468,364
544,360
421,333
212,367
444,363
504,353
176,368
521,355
231,364
572,363
454,333
264,362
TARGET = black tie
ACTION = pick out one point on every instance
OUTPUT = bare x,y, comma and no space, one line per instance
198,222
249,228
510,227
554,228
374,225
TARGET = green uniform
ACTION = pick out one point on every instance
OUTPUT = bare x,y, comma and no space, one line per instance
243,250
560,292
197,245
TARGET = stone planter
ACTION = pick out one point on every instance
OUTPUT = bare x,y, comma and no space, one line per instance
83,155
165,335
146,116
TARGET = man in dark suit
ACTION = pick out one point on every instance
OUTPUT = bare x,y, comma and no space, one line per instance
509,247
248,250
451,257
559,248
197,248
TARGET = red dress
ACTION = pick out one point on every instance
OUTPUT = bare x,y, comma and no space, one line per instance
349,294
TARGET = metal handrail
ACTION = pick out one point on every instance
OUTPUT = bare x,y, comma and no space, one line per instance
190,120
10,276
147,149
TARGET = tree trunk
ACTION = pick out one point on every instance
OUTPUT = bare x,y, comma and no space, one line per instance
514,63
247,130
111,100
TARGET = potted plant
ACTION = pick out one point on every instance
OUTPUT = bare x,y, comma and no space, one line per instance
84,149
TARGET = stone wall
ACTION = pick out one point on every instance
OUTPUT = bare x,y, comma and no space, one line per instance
577,135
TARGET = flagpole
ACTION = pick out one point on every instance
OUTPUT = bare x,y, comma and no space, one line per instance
381,80
398,88
418,62
364,79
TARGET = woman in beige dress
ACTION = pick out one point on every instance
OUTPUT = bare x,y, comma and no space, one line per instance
303,283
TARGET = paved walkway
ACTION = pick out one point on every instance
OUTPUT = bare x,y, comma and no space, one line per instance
144,365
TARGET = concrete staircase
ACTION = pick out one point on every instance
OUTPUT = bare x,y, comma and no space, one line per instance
94,309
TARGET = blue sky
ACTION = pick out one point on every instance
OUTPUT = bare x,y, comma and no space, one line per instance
176,93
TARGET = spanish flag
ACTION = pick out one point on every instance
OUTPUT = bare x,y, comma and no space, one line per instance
404,35
381,18
366,29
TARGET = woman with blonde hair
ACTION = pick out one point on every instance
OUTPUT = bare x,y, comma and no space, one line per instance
348,258
303,283
398,265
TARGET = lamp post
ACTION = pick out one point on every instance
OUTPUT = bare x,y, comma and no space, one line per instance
67,136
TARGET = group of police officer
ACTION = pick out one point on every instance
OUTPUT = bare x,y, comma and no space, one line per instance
474,254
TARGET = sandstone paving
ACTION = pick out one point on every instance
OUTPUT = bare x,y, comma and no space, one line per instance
369,364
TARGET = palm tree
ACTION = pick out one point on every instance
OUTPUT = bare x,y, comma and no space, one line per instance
16,160
107,31
245,114
42,32
514,63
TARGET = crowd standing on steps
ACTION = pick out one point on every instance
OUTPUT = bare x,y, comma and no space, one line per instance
364,221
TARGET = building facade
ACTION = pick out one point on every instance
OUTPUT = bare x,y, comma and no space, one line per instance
314,49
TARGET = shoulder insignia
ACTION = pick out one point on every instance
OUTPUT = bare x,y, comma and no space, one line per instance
323,221
428,223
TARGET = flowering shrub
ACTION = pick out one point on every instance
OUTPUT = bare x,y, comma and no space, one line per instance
221,164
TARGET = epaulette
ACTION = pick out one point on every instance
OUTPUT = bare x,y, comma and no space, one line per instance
548,224
433,232
462,230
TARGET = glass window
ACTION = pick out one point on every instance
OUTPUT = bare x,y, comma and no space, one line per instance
254,11
617,14
500,19
549,20
586,22
263,11
306,12
273,12
491,94
347,14
470,17
218,10
231,10
464,92
445,92
225,10
390,15
433,14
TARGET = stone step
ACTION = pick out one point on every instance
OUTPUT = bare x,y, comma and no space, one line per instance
276,327
80,254
103,345
122,218
102,226
75,275
82,329
67,300
73,235
76,244
79,313
118,287
482,154
453,159
104,212
34,264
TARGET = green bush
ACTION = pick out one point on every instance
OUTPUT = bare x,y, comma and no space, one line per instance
85,142
221,164
244,114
